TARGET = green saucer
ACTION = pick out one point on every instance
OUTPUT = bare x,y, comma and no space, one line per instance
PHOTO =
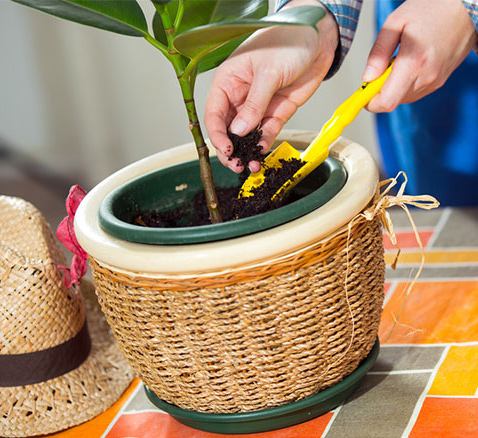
273,418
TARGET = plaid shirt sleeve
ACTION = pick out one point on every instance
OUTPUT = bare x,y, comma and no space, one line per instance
472,8
346,13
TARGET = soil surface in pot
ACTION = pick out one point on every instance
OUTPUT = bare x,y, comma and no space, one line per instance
232,208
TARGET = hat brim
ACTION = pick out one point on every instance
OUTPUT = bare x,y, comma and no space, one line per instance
74,397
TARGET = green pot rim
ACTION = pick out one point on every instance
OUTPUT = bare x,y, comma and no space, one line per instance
272,418
227,230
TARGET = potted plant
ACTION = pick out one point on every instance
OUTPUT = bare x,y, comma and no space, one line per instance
247,325
194,36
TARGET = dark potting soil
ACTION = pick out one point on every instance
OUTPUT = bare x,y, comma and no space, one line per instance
261,201
231,206
247,148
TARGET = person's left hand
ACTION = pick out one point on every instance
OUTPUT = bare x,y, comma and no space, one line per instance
434,37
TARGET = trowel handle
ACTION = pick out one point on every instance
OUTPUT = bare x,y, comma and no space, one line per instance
349,109
343,116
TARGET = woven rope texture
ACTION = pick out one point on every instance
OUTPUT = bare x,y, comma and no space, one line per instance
36,312
259,337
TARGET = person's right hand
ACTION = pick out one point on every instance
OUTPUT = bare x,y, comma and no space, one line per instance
433,40
264,82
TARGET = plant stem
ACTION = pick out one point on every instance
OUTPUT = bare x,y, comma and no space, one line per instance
202,150
186,82
179,14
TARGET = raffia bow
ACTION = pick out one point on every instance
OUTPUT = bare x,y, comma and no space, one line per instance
382,202
386,200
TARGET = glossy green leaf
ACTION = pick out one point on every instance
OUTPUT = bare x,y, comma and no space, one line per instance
120,16
216,57
202,12
199,42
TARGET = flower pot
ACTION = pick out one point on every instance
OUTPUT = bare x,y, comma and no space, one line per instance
158,190
243,324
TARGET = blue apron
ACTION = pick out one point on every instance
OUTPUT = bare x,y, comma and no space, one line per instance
435,140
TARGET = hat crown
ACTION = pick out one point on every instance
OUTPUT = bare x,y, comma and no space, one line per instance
36,311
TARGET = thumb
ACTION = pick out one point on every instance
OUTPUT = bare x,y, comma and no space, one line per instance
382,50
252,111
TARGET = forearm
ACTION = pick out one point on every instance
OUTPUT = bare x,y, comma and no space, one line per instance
346,14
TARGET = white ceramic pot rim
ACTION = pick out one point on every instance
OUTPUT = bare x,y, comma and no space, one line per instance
160,260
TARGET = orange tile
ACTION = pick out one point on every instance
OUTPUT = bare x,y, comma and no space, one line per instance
97,426
160,425
434,257
434,312
407,239
447,418
458,374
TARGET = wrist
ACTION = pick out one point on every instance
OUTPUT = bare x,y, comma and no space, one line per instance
328,29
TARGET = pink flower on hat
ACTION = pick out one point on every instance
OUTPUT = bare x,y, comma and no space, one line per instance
66,235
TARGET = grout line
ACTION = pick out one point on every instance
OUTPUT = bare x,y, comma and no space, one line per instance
435,249
329,425
390,292
399,372
448,344
120,412
431,265
421,399
439,227
470,279
146,411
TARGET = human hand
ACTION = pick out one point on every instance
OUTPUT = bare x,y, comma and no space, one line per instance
434,37
264,82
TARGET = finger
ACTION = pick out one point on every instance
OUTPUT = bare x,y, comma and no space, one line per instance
215,119
280,110
397,86
382,50
251,112
254,166
231,163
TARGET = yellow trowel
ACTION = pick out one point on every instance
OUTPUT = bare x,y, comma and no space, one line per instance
318,150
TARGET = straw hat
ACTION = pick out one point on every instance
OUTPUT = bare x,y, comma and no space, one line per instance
52,374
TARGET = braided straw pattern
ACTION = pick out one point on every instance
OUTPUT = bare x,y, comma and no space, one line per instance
259,336
37,312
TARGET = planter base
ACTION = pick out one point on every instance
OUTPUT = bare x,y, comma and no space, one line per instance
273,418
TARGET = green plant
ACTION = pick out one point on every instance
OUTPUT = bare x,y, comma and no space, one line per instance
194,35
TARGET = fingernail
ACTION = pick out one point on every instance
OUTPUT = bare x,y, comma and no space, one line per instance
369,74
238,127
254,166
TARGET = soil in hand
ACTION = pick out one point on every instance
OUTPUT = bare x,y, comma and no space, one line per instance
247,148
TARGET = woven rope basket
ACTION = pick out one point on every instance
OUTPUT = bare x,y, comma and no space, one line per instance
258,336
